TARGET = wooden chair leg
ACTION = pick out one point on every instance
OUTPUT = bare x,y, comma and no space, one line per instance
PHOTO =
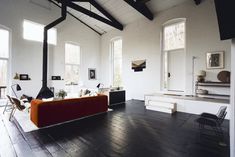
5,108
12,113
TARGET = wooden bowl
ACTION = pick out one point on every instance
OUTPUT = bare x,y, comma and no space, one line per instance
224,76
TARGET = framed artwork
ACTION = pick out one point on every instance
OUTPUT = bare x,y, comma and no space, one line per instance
91,74
24,77
138,65
215,60
55,77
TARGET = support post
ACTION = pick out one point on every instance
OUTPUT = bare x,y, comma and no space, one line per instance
232,101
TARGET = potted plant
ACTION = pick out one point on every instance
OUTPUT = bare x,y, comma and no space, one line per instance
61,94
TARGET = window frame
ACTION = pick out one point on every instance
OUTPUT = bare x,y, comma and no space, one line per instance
72,64
112,58
9,58
163,52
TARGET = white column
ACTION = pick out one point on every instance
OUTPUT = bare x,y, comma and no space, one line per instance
232,101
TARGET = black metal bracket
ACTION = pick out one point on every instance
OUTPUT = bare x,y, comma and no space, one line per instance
141,7
197,2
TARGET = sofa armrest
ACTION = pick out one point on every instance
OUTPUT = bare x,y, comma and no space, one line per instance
34,111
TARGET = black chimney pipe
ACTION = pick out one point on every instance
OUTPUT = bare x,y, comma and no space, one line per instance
45,92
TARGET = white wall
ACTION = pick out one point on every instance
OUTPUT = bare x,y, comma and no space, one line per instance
89,43
141,40
232,100
27,55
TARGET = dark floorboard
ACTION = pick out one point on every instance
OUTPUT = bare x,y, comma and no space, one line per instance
128,131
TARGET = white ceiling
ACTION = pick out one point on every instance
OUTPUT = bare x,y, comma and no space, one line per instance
120,10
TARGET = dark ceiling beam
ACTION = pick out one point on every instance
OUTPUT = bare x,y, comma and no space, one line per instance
105,13
197,2
140,7
93,15
79,0
77,18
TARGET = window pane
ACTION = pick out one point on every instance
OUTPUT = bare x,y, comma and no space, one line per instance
72,61
34,31
4,43
3,72
174,36
117,63
72,54
71,74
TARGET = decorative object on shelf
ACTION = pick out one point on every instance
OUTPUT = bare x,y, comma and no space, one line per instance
61,94
209,94
201,76
138,65
100,84
224,76
55,77
215,60
91,74
18,88
202,91
24,77
16,77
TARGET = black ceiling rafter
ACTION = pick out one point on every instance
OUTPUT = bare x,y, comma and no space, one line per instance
197,2
140,6
112,21
105,13
76,17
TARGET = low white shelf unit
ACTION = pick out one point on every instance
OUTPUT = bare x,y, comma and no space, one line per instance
161,106
193,105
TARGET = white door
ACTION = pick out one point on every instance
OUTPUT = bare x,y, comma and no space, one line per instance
176,70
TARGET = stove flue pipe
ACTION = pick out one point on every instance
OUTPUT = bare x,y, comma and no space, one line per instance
44,90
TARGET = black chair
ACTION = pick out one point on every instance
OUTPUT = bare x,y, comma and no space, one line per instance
213,120
16,105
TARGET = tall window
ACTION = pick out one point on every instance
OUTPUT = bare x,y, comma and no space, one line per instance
72,63
174,36
116,53
173,55
4,56
34,31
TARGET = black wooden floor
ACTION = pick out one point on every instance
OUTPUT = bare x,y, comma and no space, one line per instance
128,131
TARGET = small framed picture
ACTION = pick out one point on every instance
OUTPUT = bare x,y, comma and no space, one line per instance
24,77
215,60
92,74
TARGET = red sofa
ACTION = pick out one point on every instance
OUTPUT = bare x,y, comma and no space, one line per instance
53,112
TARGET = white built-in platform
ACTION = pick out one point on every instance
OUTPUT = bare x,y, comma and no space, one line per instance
193,105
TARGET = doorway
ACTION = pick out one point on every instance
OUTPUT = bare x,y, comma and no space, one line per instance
176,70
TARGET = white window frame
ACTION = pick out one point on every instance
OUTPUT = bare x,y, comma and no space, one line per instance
9,59
168,23
112,58
40,39
79,65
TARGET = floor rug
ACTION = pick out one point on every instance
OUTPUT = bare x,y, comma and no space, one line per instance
23,119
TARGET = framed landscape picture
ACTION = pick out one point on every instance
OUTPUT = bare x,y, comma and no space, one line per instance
92,74
138,65
215,60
